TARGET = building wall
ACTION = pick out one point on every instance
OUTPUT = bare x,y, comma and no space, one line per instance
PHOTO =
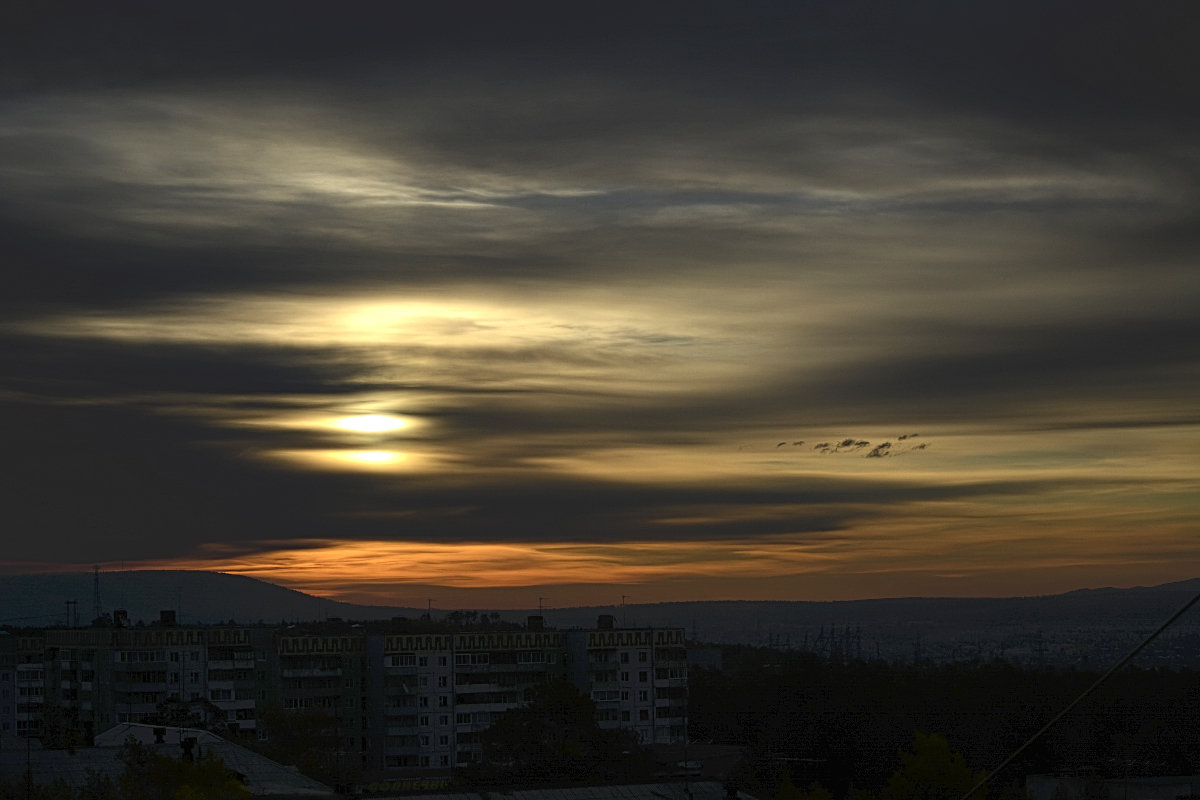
638,680
8,684
401,702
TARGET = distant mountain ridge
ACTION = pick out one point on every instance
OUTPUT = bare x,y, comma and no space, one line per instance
196,597
1092,626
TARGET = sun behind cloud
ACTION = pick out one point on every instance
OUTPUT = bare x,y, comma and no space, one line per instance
372,423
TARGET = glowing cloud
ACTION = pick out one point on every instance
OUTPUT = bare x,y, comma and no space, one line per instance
372,423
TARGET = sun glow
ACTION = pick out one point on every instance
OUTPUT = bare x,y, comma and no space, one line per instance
372,423
344,459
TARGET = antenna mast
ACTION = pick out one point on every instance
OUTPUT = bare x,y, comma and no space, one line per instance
96,592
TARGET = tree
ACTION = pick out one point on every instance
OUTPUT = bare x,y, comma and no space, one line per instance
150,776
932,772
310,740
555,738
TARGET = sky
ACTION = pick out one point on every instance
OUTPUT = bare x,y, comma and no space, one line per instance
487,305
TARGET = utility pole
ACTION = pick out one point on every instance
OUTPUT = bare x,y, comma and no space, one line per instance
98,609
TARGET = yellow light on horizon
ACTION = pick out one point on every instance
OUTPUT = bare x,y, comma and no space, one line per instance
372,423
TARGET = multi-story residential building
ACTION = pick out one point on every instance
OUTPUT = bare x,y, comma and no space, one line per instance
94,678
400,701
30,687
433,694
324,671
636,677
8,684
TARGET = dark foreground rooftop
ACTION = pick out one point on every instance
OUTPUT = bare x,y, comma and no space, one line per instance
261,775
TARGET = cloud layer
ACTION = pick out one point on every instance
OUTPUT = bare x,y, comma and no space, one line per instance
660,300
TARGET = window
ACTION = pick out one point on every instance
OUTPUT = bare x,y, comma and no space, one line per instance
625,716
443,739
624,658
467,659
442,661
643,676
642,656
424,720
644,715
424,703
624,694
643,695
442,681
463,718
444,701
424,740
423,661
625,676
404,660
444,719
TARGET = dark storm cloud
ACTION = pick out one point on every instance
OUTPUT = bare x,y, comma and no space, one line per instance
840,218
1005,370
103,371
1036,55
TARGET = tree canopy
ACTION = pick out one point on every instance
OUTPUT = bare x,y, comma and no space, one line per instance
554,739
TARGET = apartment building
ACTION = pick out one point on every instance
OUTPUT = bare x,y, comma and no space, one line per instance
8,684
30,684
93,678
434,694
636,677
400,701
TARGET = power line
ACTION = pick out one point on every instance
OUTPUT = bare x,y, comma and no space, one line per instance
1111,670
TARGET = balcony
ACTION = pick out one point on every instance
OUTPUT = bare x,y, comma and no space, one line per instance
311,673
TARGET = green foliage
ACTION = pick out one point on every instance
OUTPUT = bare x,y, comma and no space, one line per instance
310,740
786,790
147,776
932,772
23,786
555,739
61,729
842,724
816,792
150,776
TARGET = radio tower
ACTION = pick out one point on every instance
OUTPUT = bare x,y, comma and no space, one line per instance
96,592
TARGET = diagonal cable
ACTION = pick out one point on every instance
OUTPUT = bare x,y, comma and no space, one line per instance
1111,670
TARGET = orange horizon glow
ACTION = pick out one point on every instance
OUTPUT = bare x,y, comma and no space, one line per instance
840,566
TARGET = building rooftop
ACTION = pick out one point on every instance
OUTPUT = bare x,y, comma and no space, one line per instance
261,775
706,790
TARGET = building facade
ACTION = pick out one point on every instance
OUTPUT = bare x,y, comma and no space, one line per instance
399,702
